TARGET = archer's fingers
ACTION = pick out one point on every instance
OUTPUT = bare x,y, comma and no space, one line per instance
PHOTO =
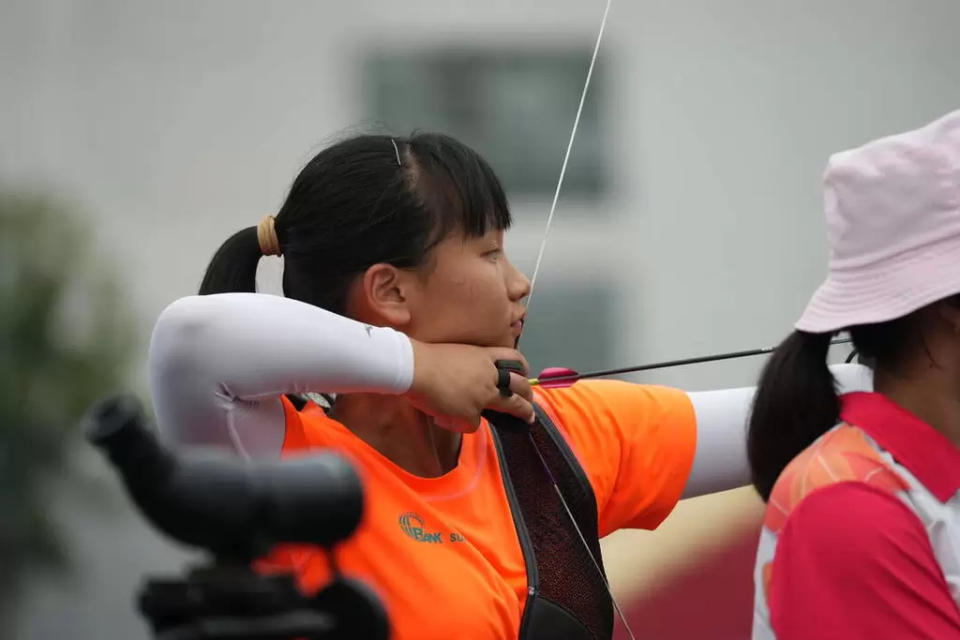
503,353
516,405
521,387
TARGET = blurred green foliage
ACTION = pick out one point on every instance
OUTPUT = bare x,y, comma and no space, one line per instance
66,335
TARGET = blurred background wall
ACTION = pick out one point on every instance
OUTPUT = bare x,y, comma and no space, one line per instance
690,222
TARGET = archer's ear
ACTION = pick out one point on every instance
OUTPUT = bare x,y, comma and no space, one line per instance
384,290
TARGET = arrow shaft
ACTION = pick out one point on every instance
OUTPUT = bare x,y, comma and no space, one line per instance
669,363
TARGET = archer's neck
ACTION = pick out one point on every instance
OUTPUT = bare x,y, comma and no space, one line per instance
392,426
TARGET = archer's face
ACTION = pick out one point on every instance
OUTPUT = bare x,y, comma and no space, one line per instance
469,292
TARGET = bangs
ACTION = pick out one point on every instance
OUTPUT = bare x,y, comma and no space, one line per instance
457,187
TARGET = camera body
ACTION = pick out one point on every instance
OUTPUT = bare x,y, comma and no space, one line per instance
237,510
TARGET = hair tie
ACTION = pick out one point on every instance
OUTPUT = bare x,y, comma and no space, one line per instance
267,237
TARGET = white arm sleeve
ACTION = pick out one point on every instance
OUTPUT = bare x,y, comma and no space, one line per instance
720,461
218,365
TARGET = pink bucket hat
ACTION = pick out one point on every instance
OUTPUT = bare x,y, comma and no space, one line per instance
893,222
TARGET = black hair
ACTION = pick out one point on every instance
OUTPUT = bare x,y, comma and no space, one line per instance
361,202
796,400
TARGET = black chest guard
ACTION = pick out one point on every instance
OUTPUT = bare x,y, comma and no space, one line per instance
566,597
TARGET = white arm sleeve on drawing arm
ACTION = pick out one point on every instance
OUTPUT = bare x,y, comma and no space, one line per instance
218,365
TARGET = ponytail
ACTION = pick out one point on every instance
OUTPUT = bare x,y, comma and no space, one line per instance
234,265
796,402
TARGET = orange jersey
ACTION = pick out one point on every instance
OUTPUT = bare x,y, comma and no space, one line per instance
443,553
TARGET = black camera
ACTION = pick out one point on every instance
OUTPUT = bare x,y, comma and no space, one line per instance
237,510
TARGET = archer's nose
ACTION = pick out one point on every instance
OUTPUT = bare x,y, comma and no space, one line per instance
518,285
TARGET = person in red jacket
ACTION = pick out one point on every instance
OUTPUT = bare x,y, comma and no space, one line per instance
862,531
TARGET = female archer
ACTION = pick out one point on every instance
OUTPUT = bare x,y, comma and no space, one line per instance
862,531
400,299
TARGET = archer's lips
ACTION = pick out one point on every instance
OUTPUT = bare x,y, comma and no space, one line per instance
517,328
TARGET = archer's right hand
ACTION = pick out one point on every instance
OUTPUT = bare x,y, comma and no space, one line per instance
455,382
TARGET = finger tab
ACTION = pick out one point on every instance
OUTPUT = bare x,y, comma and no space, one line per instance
503,382
511,365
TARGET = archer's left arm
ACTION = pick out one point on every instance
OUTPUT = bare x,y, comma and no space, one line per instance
645,447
